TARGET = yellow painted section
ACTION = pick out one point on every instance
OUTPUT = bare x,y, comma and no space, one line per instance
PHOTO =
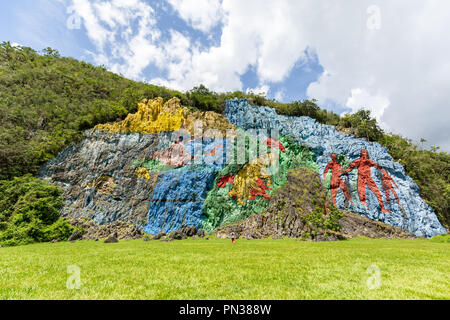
142,172
152,117
247,176
210,122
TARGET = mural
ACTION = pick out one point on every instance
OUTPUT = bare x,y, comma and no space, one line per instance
248,182
380,172
243,189
166,166
152,117
198,161
186,171
364,165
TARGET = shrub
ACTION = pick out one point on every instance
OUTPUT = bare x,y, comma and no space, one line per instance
316,220
363,124
29,212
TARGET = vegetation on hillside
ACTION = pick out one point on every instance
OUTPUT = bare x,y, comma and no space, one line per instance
29,212
47,101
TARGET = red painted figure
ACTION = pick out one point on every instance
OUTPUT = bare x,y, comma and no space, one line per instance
336,181
261,191
388,187
228,178
214,151
365,179
272,143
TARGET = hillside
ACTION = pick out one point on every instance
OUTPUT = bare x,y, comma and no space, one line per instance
47,102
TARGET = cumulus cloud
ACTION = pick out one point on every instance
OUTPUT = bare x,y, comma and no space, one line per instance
360,98
261,90
200,14
256,34
123,32
397,70
388,56
279,95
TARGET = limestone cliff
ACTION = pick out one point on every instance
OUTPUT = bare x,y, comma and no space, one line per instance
404,206
155,171
97,179
301,209
152,117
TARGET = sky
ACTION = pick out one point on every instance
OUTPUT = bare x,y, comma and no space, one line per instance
391,57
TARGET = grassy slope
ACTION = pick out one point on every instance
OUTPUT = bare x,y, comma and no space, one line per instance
217,269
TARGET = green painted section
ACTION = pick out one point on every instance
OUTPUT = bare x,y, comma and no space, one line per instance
221,209
152,165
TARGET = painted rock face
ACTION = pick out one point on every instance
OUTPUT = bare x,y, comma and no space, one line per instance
367,169
139,170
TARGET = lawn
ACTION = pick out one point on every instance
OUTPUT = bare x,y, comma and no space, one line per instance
218,269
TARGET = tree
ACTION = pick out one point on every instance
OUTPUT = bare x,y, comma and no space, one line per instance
51,52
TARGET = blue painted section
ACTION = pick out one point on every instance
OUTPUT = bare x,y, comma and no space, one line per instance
179,194
212,152
178,199
413,214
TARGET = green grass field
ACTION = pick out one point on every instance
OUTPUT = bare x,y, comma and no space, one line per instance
218,269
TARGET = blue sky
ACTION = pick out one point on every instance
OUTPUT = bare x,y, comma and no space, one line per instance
386,56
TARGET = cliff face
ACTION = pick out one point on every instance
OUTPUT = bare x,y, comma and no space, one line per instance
403,206
97,179
178,199
167,180
292,212
101,181
141,170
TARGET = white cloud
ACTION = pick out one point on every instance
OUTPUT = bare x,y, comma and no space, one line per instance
361,99
261,90
124,34
400,71
279,95
255,34
200,14
96,32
